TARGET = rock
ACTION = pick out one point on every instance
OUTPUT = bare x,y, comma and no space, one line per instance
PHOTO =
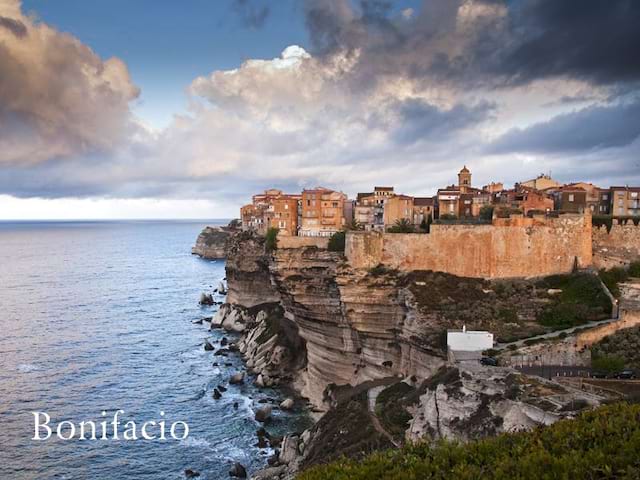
222,352
272,461
207,346
222,389
554,291
287,404
228,364
263,400
238,471
263,414
224,342
275,441
237,378
270,473
188,473
206,299
261,432
198,322
216,394
215,364
235,405
262,442
260,381
289,450
222,289
212,243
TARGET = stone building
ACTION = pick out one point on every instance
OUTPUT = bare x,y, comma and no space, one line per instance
541,182
423,210
625,201
570,199
369,208
272,209
324,212
397,208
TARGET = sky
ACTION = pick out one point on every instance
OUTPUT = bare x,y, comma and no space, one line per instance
168,109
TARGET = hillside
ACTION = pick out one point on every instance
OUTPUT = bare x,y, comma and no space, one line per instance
602,443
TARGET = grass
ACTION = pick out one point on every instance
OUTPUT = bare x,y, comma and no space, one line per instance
582,299
598,444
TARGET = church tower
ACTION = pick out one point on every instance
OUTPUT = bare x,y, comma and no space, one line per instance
464,179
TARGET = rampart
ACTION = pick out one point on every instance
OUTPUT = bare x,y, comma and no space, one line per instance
616,246
508,248
299,242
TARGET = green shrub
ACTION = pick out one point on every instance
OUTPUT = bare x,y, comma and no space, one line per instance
486,213
634,270
271,239
602,221
607,363
402,225
611,278
337,241
448,216
598,444
624,344
425,225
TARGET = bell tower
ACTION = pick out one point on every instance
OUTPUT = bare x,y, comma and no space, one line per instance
464,179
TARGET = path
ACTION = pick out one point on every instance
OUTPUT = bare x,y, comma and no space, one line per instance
372,395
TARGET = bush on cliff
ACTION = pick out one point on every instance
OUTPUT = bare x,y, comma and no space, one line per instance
624,344
337,241
602,443
271,239
582,299
612,277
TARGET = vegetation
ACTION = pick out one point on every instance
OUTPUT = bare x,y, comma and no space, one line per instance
582,299
337,241
486,213
607,363
448,216
624,344
402,225
271,239
425,225
612,277
602,221
598,444
391,409
355,225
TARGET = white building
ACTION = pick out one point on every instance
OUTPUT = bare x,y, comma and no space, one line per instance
469,340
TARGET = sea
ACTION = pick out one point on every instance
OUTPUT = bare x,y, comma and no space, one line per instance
102,316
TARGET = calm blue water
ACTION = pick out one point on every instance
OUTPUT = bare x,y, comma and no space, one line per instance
98,316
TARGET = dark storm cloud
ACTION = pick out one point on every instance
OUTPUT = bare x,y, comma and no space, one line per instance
594,40
591,39
16,27
252,16
589,129
422,121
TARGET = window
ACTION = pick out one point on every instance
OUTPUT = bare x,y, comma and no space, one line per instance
634,194
282,224
286,206
334,204
571,197
605,196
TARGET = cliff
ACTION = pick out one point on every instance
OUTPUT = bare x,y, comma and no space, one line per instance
211,243
616,244
341,335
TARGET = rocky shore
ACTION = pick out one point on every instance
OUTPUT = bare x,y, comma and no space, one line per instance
366,348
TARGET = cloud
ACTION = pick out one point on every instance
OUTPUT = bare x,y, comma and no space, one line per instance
595,127
252,16
14,26
58,99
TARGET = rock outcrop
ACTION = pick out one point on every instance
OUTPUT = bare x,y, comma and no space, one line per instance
211,243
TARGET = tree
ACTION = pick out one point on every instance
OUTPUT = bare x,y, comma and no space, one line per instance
355,225
486,213
608,363
271,239
337,242
402,225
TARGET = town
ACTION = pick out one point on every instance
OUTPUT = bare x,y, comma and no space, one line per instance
322,212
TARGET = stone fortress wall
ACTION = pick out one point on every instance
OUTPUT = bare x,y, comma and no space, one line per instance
617,247
508,248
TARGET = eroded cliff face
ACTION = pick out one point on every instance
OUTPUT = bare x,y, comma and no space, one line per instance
247,267
212,243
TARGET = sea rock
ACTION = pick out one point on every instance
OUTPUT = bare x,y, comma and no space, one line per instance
216,394
289,451
238,471
188,473
206,299
270,473
287,404
263,414
224,342
222,388
207,346
222,289
237,378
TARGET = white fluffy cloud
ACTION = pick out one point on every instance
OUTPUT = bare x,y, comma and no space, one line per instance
57,97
